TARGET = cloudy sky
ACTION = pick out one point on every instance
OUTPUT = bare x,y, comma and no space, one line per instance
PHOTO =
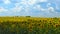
43,8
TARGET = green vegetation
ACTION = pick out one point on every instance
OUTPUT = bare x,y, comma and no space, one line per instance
29,25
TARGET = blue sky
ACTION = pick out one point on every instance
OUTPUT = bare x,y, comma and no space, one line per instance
41,8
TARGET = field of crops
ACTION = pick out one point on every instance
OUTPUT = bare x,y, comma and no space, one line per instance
29,25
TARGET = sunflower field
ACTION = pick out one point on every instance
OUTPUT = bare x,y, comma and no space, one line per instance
29,25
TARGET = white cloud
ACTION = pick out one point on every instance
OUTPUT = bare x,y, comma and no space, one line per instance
24,5
17,9
48,10
3,9
42,0
48,5
28,2
56,2
6,1
31,2
37,7
51,9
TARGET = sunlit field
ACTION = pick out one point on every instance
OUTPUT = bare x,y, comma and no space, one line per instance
29,25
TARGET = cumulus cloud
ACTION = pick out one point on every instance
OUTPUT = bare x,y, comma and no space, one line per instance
31,7
16,9
6,1
31,2
43,0
49,9
3,9
57,2
27,4
48,4
37,7
24,5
